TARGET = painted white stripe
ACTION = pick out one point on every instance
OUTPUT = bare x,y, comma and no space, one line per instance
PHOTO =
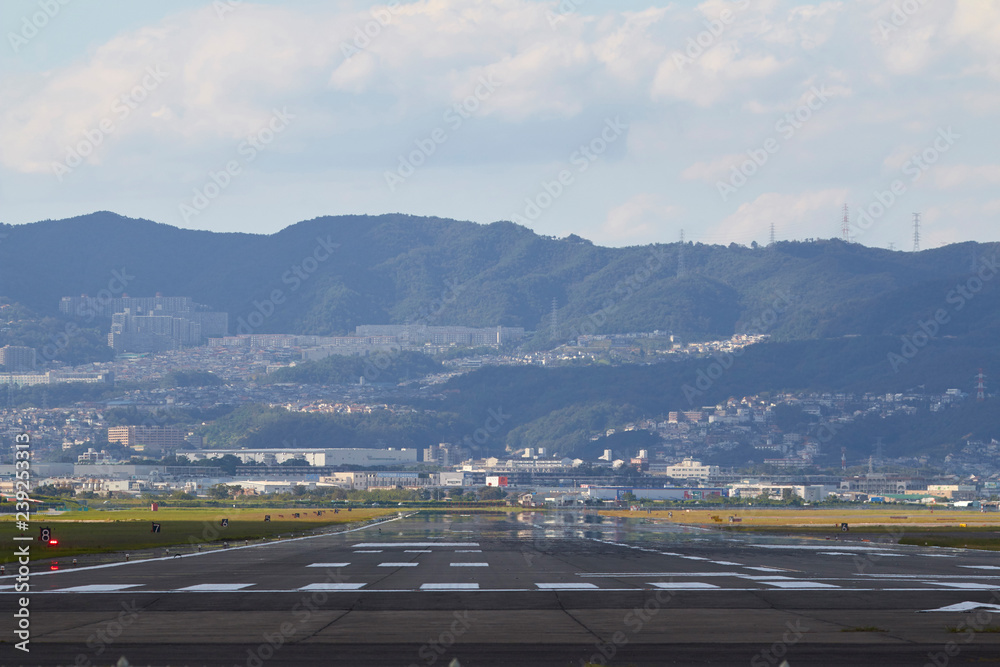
398,564
835,553
725,562
403,545
566,587
770,577
682,585
368,551
981,567
328,565
6,587
468,551
449,587
695,558
417,551
470,564
332,587
967,606
213,588
798,584
97,588
965,585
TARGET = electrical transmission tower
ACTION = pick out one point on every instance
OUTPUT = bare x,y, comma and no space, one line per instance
771,240
845,229
916,232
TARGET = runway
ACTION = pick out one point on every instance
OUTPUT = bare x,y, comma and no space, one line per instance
524,589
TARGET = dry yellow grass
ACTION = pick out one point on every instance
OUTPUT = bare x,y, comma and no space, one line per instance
776,516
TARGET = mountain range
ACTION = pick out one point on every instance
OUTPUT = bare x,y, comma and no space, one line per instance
329,274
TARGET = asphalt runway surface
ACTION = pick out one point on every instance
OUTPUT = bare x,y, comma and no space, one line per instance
522,589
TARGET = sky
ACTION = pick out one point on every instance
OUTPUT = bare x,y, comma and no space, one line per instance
623,122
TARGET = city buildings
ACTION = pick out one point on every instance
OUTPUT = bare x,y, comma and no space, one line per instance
14,358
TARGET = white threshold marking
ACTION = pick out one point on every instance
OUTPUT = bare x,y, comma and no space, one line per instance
449,587
368,551
398,564
967,606
213,588
418,551
328,565
566,587
97,588
683,585
403,545
965,585
798,584
332,587
470,564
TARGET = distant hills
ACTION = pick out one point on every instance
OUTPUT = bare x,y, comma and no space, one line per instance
327,275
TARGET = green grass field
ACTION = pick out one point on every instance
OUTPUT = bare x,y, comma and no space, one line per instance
80,533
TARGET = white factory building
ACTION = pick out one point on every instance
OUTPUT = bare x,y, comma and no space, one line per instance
315,457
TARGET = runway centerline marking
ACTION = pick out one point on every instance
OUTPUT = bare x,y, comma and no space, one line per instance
965,606
566,587
449,587
328,565
332,587
368,551
964,585
418,551
470,564
213,588
97,588
798,584
468,551
682,585
412,545
398,564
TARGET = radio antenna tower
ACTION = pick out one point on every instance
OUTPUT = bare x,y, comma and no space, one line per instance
916,232
771,241
845,230
980,386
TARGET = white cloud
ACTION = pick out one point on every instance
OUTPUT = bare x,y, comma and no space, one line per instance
798,214
964,175
713,170
642,216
